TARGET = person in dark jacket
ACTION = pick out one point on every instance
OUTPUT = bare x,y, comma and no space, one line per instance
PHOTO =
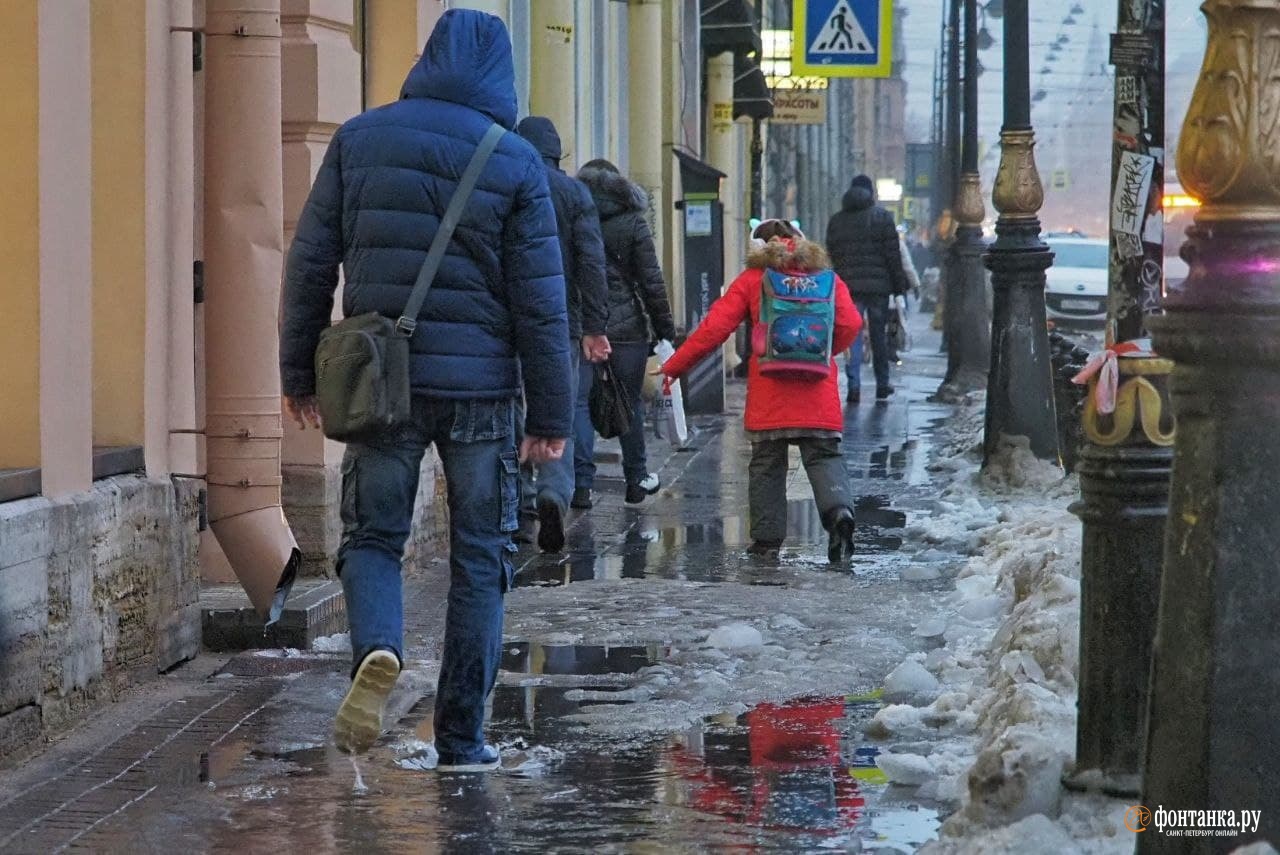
639,317
496,308
863,242
582,251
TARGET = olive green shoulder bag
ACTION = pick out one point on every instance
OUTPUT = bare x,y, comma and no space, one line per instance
362,362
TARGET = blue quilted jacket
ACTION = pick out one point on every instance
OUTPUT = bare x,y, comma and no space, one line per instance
497,306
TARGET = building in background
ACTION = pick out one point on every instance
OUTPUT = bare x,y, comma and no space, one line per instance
159,154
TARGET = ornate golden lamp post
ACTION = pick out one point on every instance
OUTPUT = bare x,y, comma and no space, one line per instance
1212,740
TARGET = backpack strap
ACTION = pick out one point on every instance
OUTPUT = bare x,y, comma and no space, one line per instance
408,321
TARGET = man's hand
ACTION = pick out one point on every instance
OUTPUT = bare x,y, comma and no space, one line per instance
536,449
596,348
304,410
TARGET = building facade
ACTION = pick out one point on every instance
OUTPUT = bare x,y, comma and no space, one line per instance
159,154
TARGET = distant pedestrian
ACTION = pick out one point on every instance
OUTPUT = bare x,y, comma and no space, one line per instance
865,251
785,409
639,317
496,310
582,251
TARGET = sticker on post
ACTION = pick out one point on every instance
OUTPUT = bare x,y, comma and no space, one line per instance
1127,245
1133,186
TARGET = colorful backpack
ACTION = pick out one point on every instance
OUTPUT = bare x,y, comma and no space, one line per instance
797,317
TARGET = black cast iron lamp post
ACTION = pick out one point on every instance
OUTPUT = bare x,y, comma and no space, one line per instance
1020,384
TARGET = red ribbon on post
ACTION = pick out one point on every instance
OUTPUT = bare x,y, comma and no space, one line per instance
1107,370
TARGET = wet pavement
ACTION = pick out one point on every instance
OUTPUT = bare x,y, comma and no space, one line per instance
662,690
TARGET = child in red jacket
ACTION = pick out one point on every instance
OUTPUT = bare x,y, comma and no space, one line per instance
782,411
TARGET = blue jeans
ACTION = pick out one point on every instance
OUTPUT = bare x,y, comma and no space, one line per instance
584,434
629,360
557,477
379,484
875,314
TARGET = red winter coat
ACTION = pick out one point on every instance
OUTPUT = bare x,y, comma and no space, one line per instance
774,403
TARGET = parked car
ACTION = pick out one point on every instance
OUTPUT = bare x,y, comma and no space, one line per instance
1075,291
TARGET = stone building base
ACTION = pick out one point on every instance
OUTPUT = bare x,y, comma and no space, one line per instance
312,497
97,592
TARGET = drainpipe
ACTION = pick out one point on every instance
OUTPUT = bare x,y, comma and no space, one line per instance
722,153
645,98
244,251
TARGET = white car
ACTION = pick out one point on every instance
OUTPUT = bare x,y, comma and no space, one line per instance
1075,292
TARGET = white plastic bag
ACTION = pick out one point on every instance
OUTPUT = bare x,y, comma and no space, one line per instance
901,336
670,403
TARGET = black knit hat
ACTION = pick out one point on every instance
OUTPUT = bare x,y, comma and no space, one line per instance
863,181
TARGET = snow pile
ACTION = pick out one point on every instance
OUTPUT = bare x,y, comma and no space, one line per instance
995,729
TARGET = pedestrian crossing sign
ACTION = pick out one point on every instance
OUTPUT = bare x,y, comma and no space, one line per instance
842,38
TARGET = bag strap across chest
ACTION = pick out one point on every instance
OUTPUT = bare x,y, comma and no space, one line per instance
408,320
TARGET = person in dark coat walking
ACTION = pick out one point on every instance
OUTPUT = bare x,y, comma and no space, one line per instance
639,317
863,242
496,311
582,251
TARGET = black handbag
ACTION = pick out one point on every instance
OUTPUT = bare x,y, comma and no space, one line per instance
362,362
610,410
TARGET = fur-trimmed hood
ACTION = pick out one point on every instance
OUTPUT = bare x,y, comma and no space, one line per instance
613,193
774,255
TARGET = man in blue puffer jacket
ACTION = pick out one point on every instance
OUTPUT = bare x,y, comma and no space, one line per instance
496,309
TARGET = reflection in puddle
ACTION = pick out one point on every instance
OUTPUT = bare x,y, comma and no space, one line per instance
796,774
523,657
710,550
796,767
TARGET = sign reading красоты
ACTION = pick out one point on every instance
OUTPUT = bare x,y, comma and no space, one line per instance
842,38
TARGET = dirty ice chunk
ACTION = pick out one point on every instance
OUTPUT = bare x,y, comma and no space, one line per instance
1022,667
906,769
735,636
895,720
910,680
786,623
339,643
931,628
984,608
919,572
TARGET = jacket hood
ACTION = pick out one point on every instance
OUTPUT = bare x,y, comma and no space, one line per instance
859,199
542,135
775,255
468,61
613,193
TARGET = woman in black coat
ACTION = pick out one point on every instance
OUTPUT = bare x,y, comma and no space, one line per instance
639,317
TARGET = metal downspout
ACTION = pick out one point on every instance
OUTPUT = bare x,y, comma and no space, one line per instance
244,251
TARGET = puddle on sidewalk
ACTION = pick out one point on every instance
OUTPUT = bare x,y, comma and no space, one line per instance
792,776
524,657
796,774
712,549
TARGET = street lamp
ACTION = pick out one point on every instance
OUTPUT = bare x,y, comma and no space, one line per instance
1215,685
1020,384
1124,463
966,314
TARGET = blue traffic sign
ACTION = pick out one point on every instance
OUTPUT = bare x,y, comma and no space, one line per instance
842,38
